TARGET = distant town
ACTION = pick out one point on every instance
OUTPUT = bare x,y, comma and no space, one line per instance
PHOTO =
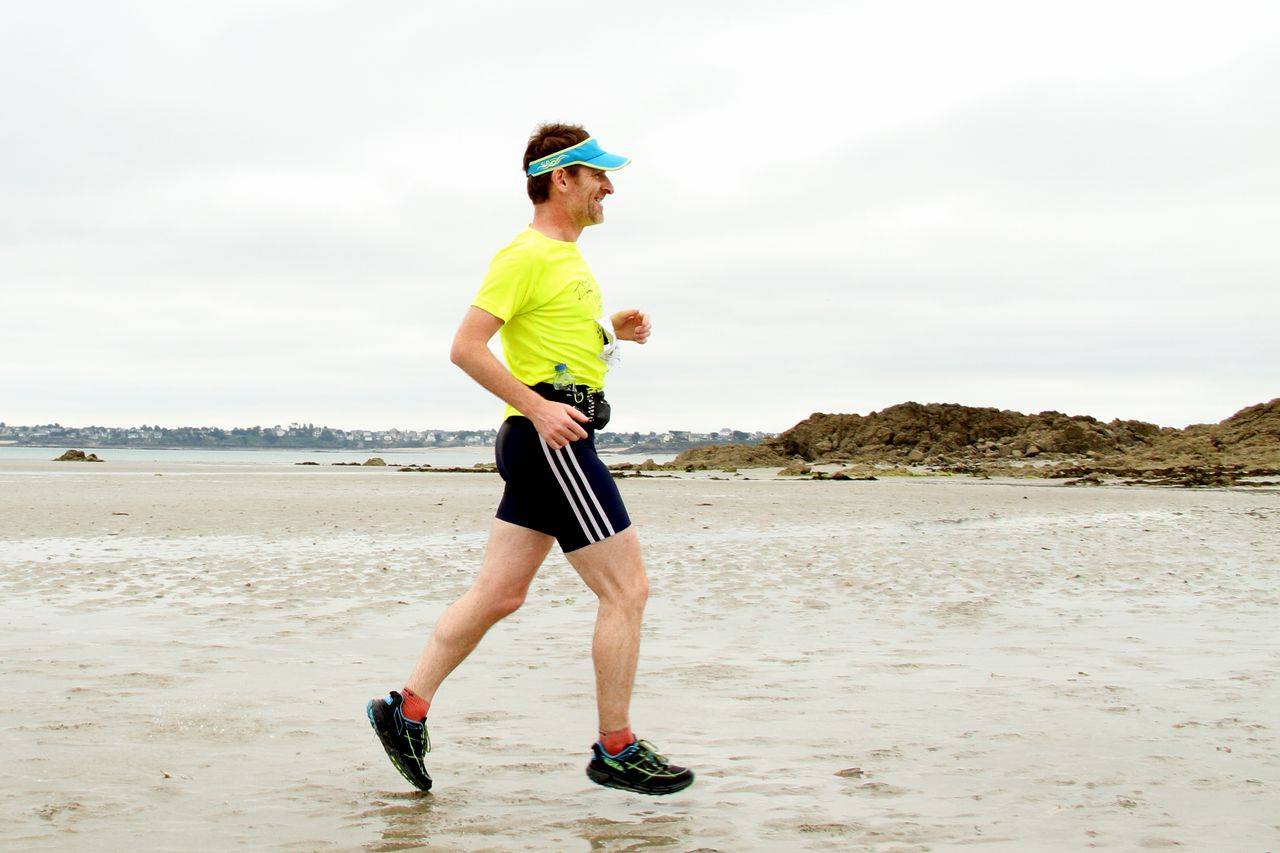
310,436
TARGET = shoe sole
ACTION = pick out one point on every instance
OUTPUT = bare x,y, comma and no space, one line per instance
390,749
604,779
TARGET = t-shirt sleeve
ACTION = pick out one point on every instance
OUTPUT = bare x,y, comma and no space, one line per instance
506,287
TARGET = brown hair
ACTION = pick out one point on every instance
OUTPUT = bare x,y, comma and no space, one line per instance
548,138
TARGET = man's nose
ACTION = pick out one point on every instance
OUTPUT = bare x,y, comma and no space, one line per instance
606,185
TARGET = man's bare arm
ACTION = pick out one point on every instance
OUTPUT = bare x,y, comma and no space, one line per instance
558,423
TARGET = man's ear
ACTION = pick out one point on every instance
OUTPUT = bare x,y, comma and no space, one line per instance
560,179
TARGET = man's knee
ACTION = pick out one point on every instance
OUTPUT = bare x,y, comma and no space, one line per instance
501,605
632,593
640,591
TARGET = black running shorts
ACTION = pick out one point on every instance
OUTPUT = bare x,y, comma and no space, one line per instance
566,493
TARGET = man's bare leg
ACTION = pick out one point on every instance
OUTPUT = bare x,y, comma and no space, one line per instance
511,559
614,571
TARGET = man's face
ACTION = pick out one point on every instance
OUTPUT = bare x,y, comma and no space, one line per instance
584,196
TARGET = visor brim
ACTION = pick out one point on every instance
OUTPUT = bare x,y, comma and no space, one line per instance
607,162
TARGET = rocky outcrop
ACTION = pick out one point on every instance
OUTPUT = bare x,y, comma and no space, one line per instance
78,456
941,433
854,473
725,456
1240,450
986,442
1248,439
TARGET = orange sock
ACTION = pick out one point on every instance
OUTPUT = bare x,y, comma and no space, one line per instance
615,742
415,707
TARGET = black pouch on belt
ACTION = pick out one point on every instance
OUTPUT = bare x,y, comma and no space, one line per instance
591,404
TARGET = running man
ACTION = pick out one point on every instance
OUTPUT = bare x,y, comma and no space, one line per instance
540,294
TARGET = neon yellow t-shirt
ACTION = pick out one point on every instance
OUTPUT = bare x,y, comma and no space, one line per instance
549,302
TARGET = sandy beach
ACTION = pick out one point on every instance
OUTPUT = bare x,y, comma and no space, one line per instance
1012,665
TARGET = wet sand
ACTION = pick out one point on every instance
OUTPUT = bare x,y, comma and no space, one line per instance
1012,665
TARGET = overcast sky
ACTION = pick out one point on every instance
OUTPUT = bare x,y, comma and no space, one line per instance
236,213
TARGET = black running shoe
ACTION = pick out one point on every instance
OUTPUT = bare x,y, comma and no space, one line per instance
405,741
637,768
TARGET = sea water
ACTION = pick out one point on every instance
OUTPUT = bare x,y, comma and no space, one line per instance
437,457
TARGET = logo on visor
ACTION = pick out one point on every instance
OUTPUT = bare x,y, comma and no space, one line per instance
552,163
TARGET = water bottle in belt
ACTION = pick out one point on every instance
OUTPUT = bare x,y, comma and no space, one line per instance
563,380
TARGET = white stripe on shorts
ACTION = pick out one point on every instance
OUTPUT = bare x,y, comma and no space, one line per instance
587,485
573,482
546,450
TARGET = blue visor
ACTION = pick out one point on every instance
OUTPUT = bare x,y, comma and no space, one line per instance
586,153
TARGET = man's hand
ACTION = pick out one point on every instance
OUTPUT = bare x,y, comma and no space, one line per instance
558,423
631,325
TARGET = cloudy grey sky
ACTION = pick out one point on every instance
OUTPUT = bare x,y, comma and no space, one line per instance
230,213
